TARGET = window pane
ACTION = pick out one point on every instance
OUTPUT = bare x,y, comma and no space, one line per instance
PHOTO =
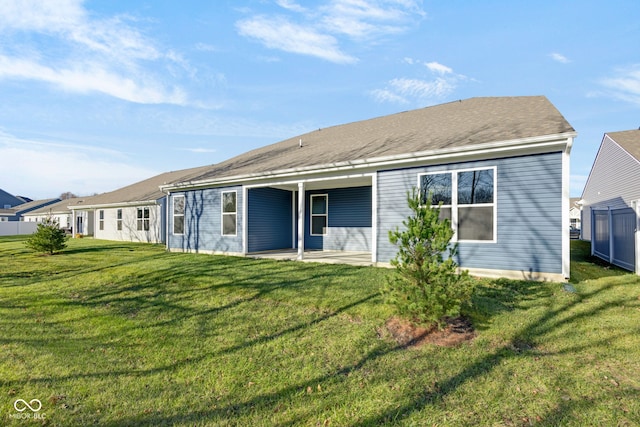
445,213
228,225
139,213
119,213
318,205
438,186
178,225
318,224
178,205
229,202
146,213
475,187
475,223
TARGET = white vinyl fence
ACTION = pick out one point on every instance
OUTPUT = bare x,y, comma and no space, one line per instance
615,238
12,228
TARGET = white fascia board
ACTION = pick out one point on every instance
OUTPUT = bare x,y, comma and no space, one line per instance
523,146
115,205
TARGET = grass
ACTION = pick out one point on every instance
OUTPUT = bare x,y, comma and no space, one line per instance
110,333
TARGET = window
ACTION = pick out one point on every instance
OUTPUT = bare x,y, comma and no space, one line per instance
143,219
178,215
319,214
438,187
119,220
229,213
468,200
101,222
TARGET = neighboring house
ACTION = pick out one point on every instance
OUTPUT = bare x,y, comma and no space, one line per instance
610,200
7,201
136,212
17,212
575,213
500,166
59,212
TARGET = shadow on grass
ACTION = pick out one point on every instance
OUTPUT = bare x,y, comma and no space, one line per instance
170,291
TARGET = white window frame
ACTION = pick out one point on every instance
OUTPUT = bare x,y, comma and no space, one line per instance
119,219
140,222
454,206
312,215
223,213
101,219
174,214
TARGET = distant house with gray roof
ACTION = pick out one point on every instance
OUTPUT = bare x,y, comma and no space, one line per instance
59,212
134,213
499,165
17,212
611,200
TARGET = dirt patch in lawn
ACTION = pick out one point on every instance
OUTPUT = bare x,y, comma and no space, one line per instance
457,331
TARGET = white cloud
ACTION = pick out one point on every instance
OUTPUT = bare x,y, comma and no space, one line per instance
319,31
40,169
200,150
558,57
92,55
290,5
624,84
406,90
92,78
438,68
284,35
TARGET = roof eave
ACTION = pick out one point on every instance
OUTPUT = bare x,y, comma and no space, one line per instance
116,204
561,140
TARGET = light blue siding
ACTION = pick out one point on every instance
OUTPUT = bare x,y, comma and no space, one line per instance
529,213
270,219
349,226
202,222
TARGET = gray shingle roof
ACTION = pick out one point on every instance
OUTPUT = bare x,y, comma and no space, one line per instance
59,207
146,190
462,123
629,140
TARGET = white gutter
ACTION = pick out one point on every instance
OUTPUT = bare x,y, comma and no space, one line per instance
558,141
114,205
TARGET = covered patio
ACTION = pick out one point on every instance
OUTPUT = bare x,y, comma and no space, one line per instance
328,257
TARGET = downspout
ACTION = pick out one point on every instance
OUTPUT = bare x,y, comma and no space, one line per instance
374,217
166,222
566,220
301,198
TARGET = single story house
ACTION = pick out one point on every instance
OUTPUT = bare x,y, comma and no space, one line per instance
500,165
17,212
134,213
58,211
611,199
575,213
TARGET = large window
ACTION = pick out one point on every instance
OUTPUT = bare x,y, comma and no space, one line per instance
143,219
468,200
178,215
229,213
319,214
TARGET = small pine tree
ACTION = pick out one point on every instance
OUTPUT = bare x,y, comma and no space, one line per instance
427,287
48,238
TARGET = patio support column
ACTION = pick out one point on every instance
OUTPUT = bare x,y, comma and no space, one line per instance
301,220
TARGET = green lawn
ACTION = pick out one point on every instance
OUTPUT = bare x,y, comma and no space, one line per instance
112,334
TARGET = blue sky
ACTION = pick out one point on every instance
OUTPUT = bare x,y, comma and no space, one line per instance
95,95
